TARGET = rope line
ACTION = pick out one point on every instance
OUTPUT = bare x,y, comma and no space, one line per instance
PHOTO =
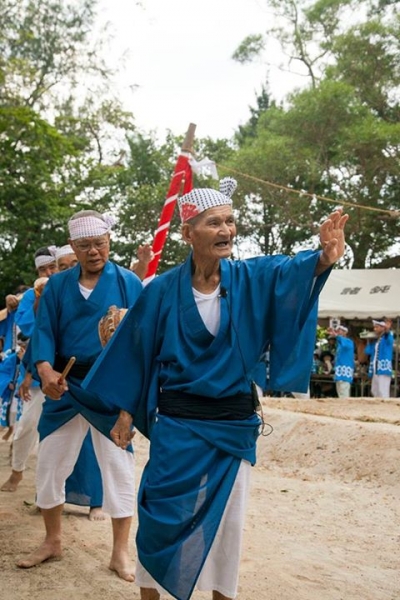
393,213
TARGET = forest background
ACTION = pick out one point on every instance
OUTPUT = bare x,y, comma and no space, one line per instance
67,142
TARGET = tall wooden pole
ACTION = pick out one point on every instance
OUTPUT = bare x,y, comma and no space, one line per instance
181,182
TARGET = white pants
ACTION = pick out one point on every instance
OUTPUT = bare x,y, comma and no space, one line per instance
13,411
26,435
380,386
301,395
343,389
221,568
58,453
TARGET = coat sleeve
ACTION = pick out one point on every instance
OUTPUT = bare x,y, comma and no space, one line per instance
43,341
125,374
294,322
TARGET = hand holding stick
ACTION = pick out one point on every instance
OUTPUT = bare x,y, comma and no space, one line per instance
67,369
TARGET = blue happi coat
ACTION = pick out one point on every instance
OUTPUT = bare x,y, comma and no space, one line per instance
25,315
163,343
9,371
381,360
344,359
67,325
8,332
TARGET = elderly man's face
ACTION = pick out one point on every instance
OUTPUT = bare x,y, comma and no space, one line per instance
47,270
212,233
67,262
92,252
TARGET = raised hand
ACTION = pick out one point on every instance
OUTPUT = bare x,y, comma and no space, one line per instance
332,238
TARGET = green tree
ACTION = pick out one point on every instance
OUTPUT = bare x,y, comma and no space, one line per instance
338,138
57,134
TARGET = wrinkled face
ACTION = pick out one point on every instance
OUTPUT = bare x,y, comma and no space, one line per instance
92,252
67,262
211,233
47,270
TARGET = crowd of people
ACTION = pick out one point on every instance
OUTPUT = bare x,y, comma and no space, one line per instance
182,368
343,362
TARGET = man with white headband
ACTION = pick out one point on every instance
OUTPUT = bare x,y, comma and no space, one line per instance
380,352
344,361
65,258
83,487
25,433
190,346
67,326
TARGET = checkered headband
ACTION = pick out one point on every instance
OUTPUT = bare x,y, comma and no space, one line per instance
46,259
89,226
200,199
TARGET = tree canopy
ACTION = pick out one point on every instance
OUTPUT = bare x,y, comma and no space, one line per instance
67,143
337,138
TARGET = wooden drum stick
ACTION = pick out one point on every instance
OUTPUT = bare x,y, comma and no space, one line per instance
67,369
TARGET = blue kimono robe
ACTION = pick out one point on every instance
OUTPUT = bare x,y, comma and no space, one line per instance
344,359
8,332
383,363
163,343
9,371
25,314
67,325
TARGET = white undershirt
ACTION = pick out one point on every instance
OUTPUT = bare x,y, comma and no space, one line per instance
85,291
208,306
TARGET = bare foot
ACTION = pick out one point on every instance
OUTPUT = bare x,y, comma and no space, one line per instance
96,514
45,552
12,482
122,566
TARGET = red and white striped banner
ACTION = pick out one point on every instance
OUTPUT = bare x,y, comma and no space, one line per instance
181,183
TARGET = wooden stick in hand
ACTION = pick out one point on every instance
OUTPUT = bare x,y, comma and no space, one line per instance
67,369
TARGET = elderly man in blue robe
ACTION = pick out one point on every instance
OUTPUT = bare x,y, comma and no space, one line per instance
182,362
66,325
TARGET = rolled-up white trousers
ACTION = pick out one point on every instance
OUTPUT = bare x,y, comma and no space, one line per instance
26,435
58,453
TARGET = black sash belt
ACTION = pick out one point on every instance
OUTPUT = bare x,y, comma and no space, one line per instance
78,370
191,406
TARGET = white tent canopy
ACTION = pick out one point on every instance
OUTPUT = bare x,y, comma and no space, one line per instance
361,294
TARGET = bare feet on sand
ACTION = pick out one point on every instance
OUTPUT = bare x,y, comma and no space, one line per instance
12,482
96,514
122,566
47,551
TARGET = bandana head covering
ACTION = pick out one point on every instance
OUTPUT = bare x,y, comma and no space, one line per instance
343,328
45,256
200,199
64,251
380,323
89,226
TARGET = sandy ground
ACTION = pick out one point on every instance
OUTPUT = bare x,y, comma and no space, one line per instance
323,521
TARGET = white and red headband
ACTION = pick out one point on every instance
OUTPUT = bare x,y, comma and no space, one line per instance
200,199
